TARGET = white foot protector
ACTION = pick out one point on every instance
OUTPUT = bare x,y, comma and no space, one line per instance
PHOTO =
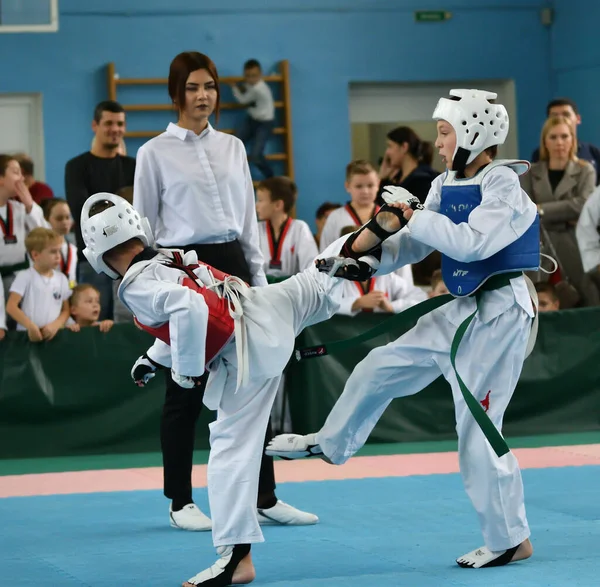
221,573
286,515
190,518
294,446
484,557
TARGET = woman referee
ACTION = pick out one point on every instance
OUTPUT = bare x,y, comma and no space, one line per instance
193,184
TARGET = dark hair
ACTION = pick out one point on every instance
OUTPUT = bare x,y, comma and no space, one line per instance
547,288
25,162
561,102
4,161
280,188
420,150
326,207
180,70
107,106
251,64
49,204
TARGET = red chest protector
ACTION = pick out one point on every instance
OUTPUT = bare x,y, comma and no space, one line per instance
220,326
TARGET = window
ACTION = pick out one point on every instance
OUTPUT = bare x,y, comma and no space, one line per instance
28,16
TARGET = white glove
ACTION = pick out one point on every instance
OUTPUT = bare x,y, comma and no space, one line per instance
394,194
143,370
185,381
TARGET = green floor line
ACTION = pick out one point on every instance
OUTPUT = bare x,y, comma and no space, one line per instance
139,460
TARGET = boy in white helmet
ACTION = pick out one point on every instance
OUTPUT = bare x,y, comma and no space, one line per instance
487,229
204,319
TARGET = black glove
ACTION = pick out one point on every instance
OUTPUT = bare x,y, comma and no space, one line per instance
143,370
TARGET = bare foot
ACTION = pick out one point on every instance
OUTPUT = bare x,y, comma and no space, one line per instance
524,551
243,574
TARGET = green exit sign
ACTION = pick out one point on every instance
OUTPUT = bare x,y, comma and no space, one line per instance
432,15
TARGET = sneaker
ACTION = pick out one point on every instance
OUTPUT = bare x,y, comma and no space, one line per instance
190,518
286,515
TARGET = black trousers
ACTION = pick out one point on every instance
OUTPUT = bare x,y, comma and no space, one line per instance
182,407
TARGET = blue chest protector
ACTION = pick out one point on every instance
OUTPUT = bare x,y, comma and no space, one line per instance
458,199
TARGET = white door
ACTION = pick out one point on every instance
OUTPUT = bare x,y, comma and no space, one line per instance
377,108
22,128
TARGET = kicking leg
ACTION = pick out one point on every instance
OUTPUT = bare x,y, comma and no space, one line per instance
399,369
388,221
489,362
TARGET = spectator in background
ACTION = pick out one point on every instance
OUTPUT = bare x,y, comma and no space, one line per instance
567,108
438,287
121,149
102,169
58,214
39,296
407,163
560,184
255,94
387,293
362,183
39,191
287,244
193,184
588,237
321,216
18,215
84,309
547,297
288,247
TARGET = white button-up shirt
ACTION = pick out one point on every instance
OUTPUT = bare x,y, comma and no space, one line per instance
197,189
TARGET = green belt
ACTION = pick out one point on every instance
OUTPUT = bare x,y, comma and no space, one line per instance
405,320
272,279
10,269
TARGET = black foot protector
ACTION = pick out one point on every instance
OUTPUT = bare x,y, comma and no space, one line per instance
483,558
221,573
368,238
346,268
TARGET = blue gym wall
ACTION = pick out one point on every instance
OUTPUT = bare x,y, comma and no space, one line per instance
329,43
575,60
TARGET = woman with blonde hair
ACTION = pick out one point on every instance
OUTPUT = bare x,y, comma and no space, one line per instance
560,184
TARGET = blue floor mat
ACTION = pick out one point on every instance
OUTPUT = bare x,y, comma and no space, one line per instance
390,532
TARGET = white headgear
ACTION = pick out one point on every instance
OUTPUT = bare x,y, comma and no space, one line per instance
111,227
478,123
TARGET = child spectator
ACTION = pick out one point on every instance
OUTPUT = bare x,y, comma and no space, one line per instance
39,190
548,300
17,217
85,309
362,183
287,244
386,293
288,247
438,287
58,214
39,296
256,95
